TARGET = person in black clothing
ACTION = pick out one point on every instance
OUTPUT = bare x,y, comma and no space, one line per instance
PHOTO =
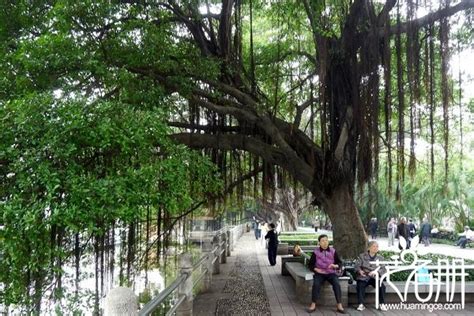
402,231
373,226
425,232
272,244
411,229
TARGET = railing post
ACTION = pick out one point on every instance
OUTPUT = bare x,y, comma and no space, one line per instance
227,244
207,249
216,266
121,301
231,240
222,248
186,287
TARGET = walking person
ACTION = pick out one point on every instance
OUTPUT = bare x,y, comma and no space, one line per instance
263,231
366,272
272,244
411,229
391,231
325,263
373,226
425,232
402,231
258,231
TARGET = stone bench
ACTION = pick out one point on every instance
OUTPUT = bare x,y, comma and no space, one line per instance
282,249
289,258
391,295
303,248
304,283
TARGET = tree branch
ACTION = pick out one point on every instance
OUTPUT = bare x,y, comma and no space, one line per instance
383,15
245,177
274,155
300,109
206,128
429,18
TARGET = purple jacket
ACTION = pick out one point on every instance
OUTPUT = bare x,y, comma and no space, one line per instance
322,258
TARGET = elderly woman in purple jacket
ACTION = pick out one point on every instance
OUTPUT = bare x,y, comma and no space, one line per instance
324,263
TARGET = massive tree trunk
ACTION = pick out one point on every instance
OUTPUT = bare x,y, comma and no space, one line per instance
292,223
348,231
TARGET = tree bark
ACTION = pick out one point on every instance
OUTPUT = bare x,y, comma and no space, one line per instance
348,232
292,222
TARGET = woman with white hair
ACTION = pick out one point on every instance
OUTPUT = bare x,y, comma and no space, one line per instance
366,272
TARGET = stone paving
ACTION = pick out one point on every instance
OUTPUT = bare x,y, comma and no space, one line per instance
239,290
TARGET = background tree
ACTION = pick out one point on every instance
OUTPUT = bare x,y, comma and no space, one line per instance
286,206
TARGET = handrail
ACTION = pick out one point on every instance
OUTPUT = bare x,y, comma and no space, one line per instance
200,261
154,303
199,278
175,306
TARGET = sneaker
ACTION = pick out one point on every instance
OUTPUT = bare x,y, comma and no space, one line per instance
383,307
361,307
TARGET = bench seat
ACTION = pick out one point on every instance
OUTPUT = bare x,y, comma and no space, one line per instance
289,258
304,283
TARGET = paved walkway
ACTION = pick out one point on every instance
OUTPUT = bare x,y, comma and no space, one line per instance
268,292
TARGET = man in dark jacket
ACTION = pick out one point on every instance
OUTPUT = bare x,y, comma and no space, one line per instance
272,244
325,263
402,231
373,226
411,229
425,232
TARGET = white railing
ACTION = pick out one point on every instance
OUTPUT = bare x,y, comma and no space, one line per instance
216,247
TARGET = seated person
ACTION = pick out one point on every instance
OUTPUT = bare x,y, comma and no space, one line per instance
467,235
324,263
366,273
297,251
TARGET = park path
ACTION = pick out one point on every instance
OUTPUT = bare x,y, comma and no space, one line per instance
248,285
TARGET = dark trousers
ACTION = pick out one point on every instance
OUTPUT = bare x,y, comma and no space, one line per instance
258,233
361,285
462,242
272,254
318,281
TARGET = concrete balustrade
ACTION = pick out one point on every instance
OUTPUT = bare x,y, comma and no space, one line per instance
216,265
123,301
207,265
186,288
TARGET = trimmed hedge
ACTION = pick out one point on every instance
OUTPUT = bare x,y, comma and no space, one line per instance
292,238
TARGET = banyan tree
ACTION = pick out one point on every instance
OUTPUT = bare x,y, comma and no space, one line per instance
344,77
285,91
